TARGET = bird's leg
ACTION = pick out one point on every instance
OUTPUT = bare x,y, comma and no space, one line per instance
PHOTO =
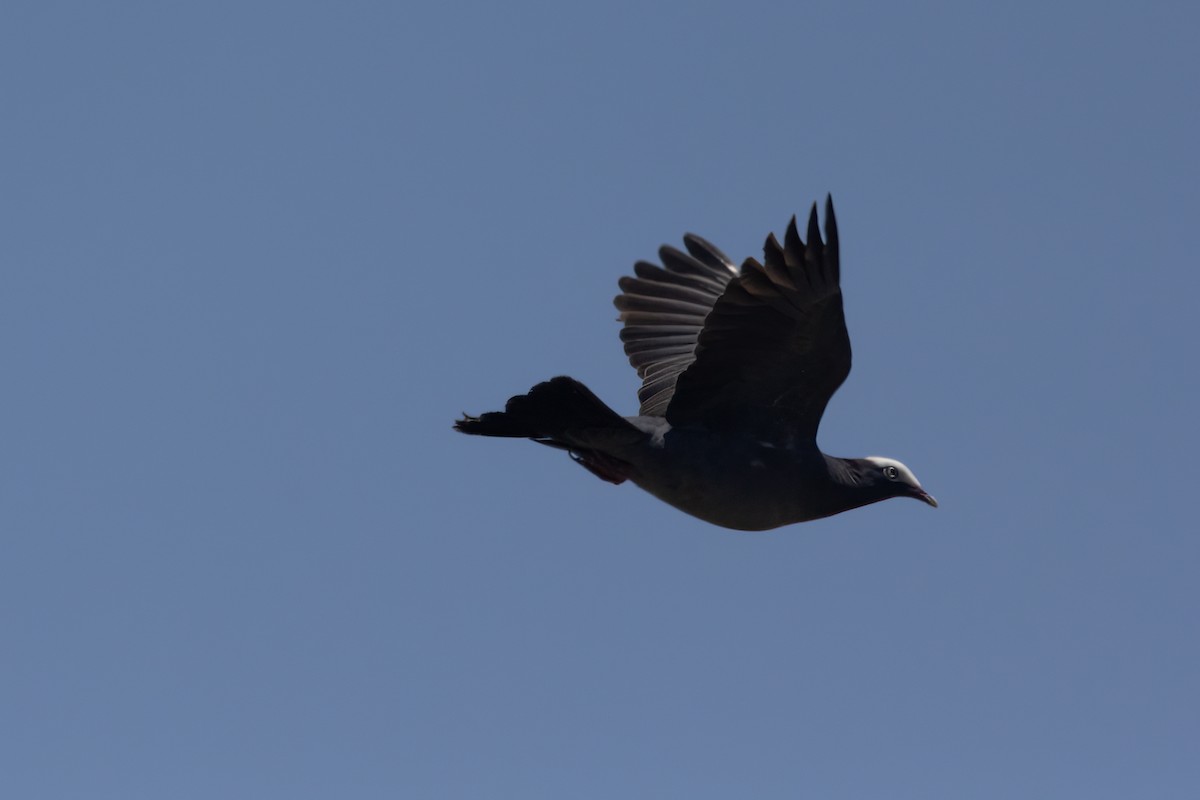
606,468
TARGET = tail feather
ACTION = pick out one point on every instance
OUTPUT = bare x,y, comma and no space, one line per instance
547,413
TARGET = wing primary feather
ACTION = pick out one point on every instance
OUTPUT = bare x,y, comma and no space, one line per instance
775,263
680,262
672,365
660,345
772,252
633,333
637,302
653,272
814,247
647,318
793,246
708,253
651,288
831,241
796,253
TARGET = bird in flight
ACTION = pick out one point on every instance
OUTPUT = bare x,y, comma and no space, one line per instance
737,366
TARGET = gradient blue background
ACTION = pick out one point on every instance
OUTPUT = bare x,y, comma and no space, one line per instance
257,257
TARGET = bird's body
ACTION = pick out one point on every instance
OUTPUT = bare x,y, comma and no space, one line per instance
734,482
737,367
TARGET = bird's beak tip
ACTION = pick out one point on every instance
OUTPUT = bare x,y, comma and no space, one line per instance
928,498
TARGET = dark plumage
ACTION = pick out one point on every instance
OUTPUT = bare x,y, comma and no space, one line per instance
737,366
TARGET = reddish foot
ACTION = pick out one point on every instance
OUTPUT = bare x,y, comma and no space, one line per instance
607,468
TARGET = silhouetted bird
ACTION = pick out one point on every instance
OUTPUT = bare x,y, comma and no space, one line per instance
737,367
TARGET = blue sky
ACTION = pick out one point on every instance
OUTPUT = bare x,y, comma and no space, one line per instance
257,257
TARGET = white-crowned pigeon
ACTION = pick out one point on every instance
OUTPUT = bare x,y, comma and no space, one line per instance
737,366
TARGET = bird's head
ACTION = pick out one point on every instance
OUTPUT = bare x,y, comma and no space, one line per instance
894,479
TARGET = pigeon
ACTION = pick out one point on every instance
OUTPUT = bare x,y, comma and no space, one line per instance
737,366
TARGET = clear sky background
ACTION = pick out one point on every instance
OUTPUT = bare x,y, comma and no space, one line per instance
257,256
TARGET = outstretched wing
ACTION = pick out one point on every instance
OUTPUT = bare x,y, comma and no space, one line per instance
664,309
774,348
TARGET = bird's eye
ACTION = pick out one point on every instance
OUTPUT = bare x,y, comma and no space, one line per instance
891,473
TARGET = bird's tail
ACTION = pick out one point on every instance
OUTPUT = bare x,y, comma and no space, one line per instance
548,413
563,413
